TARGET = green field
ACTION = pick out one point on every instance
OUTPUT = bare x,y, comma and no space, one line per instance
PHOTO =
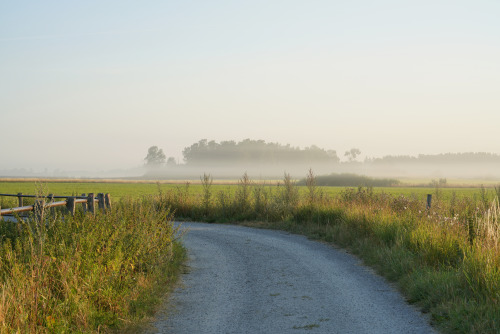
194,188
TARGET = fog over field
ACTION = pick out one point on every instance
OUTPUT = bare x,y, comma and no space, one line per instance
267,160
86,88
489,172
479,172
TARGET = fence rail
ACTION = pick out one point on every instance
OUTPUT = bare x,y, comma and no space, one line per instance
88,203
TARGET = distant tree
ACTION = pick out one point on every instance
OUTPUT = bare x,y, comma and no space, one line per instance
171,161
352,154
332,154
155,156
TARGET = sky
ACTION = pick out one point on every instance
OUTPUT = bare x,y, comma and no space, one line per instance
91,85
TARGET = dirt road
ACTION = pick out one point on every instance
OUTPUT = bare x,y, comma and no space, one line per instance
244,280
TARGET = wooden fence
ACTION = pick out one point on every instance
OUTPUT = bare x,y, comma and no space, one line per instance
41,203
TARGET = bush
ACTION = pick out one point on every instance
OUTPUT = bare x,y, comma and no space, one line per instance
350,180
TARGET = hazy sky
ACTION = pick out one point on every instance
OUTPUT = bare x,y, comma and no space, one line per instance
93,84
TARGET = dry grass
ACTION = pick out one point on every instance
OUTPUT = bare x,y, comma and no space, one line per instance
488,228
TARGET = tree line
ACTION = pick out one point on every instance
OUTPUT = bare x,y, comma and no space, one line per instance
254,151
444,158
250,151
244,152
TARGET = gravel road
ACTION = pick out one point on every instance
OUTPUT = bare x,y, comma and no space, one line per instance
244,280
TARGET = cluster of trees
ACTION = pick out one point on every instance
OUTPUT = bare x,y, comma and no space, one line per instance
249,151
254,151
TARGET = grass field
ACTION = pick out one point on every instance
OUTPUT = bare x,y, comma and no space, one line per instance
445,259
122,189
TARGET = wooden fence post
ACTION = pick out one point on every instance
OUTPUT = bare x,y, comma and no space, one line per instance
107,201
429,200
70,205
90,203
100,198
84,205
20,198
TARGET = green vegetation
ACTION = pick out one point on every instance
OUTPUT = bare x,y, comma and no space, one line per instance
446,259
350,180
87,274
120,189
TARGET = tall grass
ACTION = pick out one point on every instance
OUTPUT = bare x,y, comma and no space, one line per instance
86,273
446,259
